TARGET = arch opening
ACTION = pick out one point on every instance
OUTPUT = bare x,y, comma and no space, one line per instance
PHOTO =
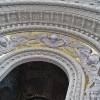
35,80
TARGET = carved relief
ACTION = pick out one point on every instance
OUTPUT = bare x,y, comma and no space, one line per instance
46,16
50,18
54,40
8,44
89,61
41,53
4,45
91,65
36,16
85,22
24,16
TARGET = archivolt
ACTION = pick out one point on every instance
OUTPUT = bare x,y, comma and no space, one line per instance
72,69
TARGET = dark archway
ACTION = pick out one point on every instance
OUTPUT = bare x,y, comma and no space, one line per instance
36,80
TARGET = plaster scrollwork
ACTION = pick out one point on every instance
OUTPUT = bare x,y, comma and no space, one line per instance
4,45
89,61
91,65
8,44
54,40
82,22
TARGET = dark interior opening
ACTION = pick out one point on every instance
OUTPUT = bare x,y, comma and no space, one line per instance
35,81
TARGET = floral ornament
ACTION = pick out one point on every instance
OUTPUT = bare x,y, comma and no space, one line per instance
17,39
4,45
82,50
93,59
93,90
54,41
3,42
91,65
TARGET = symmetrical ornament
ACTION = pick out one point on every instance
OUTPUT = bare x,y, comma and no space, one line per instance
9,43
54,40
79,22
83,53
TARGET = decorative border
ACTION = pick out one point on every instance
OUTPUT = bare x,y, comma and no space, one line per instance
77,22
13,17
70,67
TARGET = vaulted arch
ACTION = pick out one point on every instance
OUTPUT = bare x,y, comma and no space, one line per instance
67,64
60,32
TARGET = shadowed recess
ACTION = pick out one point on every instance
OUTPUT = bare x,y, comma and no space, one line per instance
36,80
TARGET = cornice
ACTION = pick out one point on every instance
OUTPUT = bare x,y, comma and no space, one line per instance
89,5
11,18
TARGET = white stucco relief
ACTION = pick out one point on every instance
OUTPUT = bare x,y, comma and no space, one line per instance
81,18
91,65
75,90
90,62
